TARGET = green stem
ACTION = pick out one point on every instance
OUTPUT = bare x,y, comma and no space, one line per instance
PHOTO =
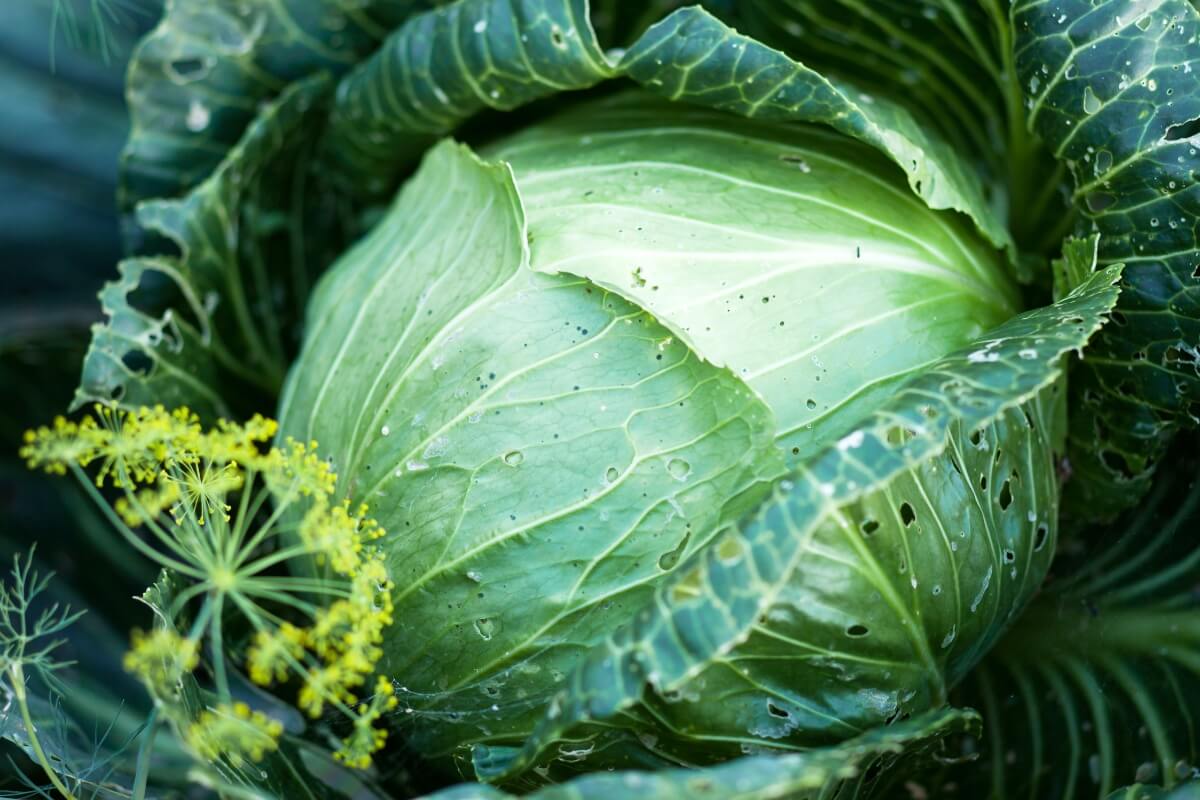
217,648
17,674
145,747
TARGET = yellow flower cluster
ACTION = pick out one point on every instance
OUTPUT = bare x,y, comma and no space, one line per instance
366,739
178,480
233,733
161,658
344,635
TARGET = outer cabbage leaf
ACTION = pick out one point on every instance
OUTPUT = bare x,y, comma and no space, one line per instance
1099,682
232,294
855,768
1114,91
197,80
852,569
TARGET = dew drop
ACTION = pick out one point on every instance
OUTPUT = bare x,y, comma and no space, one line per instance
514,458
198,116
385,431
679,469
611,474
811,404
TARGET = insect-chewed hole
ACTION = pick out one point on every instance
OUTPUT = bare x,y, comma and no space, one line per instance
983,483
1009,556
776,711
869,526
1040,536
907,515
1005,499
857,631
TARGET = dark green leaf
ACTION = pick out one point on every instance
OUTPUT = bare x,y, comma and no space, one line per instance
1114,90
235,291
196,82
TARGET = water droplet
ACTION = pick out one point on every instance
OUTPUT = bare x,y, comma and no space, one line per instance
950,637
1091,103
472,575
679,468
198,116
385,431
514,458
611,474
810,404
481,26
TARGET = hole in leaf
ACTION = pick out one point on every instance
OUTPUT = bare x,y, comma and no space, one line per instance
1117,463
1005,499
1182,130
776,711
869,526
1009,556
983,483
907,515
1040,537
857,631
137,362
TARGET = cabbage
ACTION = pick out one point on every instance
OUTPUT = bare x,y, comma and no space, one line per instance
560,371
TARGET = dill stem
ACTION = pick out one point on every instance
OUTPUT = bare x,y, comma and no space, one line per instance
145,747
18,680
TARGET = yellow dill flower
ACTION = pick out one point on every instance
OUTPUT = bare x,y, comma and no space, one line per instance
336,536
232,442
328,684
366,739
161,658
225,564
54,448
233,733
268,659
204,487
329,627
150,503
295,469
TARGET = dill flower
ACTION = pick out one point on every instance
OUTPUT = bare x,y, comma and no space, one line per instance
222,511
233,733
161,658
367,738
273,651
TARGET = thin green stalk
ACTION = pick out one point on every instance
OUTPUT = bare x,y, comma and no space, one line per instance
145,748
217,649
17,675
